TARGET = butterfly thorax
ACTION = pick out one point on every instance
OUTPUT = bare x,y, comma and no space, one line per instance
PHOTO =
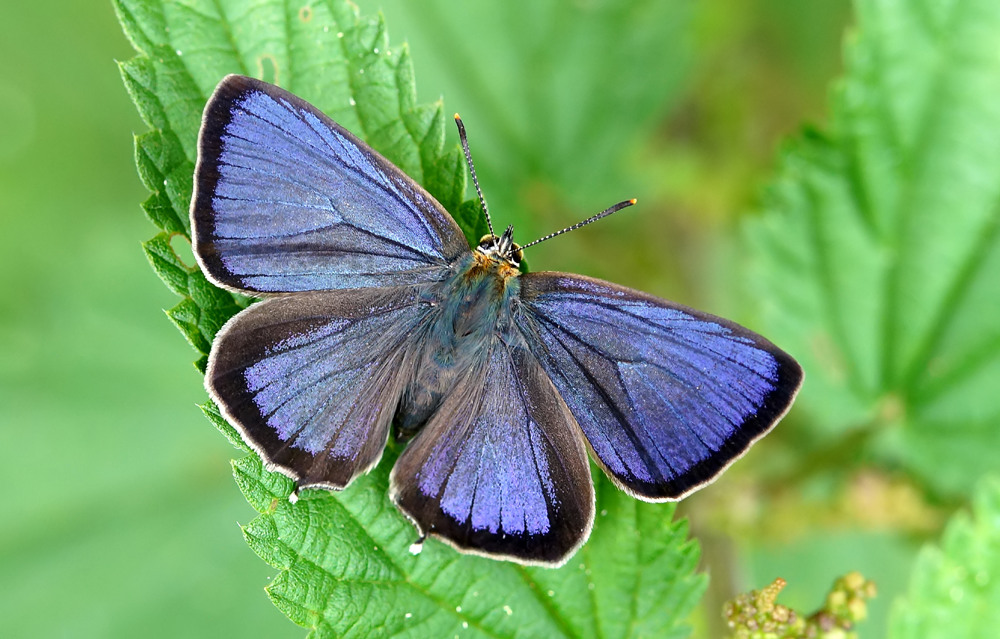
468,313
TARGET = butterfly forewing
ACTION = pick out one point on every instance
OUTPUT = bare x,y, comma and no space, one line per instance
501,469
286,200
667,396
312,380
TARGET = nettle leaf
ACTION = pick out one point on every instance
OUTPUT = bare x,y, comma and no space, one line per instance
878,255
954,591
346,569
344,560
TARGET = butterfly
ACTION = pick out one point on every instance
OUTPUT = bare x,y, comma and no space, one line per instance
377,318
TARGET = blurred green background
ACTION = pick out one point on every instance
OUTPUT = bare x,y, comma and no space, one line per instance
121,517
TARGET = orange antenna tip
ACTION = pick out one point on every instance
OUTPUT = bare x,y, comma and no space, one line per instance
633,201
457,117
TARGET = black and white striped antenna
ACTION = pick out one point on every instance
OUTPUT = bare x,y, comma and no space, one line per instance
482,200
606,212
475,180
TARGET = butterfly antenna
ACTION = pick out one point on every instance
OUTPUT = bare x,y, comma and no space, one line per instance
475,180
606,212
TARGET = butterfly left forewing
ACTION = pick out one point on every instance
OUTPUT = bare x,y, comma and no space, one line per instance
667,396
501,469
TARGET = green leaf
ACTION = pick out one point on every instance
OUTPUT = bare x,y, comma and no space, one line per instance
470,217
212,413
345,565
954,590
344,560
187,317
167,264
878,254
166,171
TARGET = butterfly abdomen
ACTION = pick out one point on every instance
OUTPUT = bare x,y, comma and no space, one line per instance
474,309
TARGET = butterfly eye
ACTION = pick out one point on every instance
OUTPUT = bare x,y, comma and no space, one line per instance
487,242
515,255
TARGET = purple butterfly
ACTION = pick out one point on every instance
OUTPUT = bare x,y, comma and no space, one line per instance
377,313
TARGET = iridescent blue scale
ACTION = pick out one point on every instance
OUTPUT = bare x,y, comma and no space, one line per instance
377,318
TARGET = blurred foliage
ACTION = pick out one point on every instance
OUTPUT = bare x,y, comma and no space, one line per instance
119,510
875,262
954,589
878,255
121,517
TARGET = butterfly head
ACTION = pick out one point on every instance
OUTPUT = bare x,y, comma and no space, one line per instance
501,249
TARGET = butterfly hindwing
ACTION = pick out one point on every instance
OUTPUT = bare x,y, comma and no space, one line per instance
312,380
286,200
501,469
667,396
